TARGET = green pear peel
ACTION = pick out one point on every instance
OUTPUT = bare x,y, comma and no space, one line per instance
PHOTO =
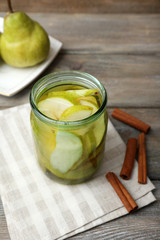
24,43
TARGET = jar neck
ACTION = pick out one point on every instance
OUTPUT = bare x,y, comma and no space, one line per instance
66,78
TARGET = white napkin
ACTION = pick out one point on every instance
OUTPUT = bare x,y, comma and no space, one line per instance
36,207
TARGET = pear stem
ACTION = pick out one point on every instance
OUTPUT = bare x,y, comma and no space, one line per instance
10,6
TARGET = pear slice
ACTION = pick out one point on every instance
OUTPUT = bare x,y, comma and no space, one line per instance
68,151
84,92
77,112
91,99
72,95
90,104
44,136
54,107
89,147
99,129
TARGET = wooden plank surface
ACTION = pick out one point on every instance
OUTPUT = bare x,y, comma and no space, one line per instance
122,51
103,33
130,80
143,224
83,6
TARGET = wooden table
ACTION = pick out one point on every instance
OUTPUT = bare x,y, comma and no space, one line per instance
123,52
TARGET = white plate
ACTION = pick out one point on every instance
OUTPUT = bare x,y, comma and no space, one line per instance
12,80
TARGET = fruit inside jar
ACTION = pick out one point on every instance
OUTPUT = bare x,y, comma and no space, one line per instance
73,152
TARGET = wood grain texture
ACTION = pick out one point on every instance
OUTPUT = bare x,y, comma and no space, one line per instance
143,224
83,6
103,33
130,80
123,52
111,33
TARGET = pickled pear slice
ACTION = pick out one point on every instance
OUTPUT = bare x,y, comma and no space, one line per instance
77,112
91,99
44,135
54,107
90,104
68,151
84,92
89,147
72,95
99,129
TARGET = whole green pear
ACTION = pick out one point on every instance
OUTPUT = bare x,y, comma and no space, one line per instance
24,42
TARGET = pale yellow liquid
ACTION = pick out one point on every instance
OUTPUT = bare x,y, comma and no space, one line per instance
92,136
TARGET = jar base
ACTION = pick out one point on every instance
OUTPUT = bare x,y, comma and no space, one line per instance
68,181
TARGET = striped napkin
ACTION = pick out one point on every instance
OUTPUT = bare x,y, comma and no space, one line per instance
36,207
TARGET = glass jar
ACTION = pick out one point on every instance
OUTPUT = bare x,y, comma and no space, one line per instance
69,151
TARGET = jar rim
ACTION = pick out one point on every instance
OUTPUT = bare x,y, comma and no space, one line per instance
52,76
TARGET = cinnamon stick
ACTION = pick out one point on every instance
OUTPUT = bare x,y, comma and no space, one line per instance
142,164
130,120
121,191
129,159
